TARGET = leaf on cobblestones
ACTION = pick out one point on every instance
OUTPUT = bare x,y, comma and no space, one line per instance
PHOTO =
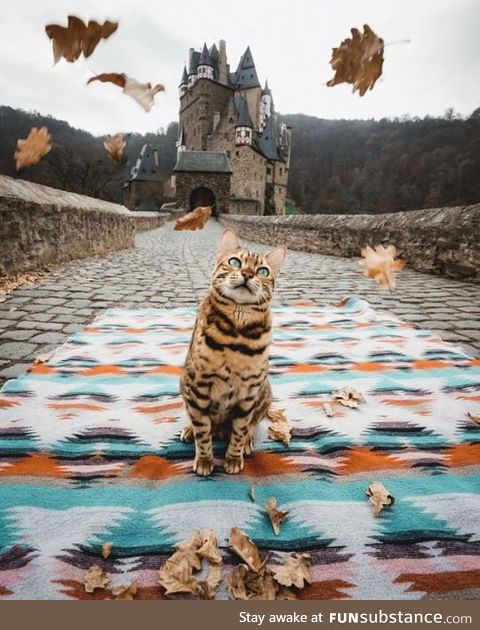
276,516
379,497
348,397
142,93
31,150
95,578
194,220
10,283
358,60
474,416
114,146
380,264
77,37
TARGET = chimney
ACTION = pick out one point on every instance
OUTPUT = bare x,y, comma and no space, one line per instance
216,120
222,62
155,157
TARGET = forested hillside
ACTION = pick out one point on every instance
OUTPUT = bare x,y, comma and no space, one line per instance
338,166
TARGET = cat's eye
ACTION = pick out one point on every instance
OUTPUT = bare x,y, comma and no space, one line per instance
236,263
263,272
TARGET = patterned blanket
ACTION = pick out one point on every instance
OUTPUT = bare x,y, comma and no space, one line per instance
90,453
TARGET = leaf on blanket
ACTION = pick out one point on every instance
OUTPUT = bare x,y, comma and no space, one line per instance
379,497
348,397
95,578
31,149
71,41
267,588
294,571
194,220
286,593
280,430
209,548
142,93
276,516
474,416
246,549
358,60
189,549
43,358
114,146
252,492
207,588
126,592
176,575
329,411
380,264
276,415
107,549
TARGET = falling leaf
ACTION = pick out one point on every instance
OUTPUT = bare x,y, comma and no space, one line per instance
176,575
281,432
474,416
31,150
143,93
379,497
252,492
95,578
294,571
114,146
209,548
207,588
126,592
380,264
358,60
276,516
348,397
107,549
194,220
246,549
43,358
71,41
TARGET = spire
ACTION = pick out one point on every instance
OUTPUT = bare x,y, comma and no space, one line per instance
214,54
184,79
266,89
246,74
244,118
205,57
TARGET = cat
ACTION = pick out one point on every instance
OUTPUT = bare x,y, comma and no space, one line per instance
225,384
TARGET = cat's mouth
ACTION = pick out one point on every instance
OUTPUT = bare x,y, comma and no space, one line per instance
244,285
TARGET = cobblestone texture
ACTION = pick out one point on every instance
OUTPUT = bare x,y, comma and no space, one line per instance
169,268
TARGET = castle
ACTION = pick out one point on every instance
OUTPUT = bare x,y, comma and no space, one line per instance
232,152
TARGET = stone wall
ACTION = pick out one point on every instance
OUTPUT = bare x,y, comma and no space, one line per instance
40,226
443,241
218,183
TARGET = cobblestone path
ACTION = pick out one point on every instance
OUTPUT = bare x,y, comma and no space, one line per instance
169,268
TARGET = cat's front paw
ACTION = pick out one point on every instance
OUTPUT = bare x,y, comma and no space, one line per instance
233,465
187,434
203,466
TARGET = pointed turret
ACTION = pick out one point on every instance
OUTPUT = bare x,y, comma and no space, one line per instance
205,56
205,67
244,126
266,89
184,79
246,74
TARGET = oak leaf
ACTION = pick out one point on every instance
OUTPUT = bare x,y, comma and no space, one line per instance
209,548
126,592
107,549
77,37
95,578
379,497
348,397
358,60
176,575
142,93
276,516
294,571
246,549
114,146
194,220
380,264
31,150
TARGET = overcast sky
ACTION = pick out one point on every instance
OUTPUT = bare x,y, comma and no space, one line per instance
291,42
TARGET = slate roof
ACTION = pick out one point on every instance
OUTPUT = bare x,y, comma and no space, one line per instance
184,79
194,61
205,57
202,162
144,168
246,74
244,118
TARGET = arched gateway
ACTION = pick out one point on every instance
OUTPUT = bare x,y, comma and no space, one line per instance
203,196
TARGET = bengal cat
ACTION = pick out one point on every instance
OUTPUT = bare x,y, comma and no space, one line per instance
225,383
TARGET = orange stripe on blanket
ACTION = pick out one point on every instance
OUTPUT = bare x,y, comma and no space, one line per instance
372,367
167,369
264,463
76,590
463,454
441,582
158,408
34,465
155,467
330,589
100,370
76,405
405,402
363,459
6,404
41,368
303,368
426,364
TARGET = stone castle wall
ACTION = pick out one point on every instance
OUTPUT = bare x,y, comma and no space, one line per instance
218,183
442,241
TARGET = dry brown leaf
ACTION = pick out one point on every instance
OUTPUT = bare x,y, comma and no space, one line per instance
252,492
286,593
95,578
209,548
268,589
143,93
358,60
189,549
276,516
236,582
276,415
107,549
114,146
77,37
10,283
474,416
280,432
380,264
176,575
379,497
31,150
43,358
246,549
194,220
348,397
126,592
294,571
207,588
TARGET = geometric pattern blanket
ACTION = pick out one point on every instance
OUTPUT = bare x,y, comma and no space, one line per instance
90,453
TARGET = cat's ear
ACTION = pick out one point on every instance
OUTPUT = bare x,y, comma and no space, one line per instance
276,258
229,244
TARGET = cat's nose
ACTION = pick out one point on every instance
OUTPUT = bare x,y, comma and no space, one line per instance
247,274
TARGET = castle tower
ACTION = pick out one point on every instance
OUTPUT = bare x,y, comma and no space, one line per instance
246,79
266,106
183,82
194,58
205,66
244,126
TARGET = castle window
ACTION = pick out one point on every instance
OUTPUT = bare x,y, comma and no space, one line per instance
281,171
269,171
237,153
228,153
230,120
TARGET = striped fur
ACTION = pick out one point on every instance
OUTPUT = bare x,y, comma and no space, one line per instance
225,384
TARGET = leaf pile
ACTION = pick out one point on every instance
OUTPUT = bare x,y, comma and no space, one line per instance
142,93
380,264
77,37
31,150
358,60
194,220
114,146
379,497
255,580
280,430
10,283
